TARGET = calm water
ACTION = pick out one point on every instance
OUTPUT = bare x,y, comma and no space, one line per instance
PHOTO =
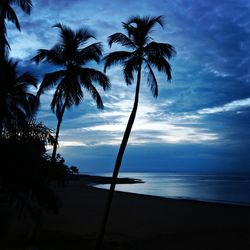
217,188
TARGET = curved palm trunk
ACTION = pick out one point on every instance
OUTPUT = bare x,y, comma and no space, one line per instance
119,161
53,157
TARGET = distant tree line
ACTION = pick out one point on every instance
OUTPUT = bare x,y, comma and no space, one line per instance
27,170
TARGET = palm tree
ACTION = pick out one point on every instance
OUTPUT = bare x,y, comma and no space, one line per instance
7,12
144,52
72,55
17,103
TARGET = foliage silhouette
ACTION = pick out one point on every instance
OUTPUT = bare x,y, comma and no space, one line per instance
74,170
17,103
70,54
8,13
25,168
144,52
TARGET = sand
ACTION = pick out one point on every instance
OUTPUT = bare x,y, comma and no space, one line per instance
139,222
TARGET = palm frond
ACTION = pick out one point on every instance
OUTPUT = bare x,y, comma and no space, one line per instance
93,91
83,34
28,79
71,42
152,21
75,95
89,53
129,28
41,55
95,95
53,56
29,105
161,64
130,66
25,5
71,90
67,41
121,39
133,19
116,57
160,49
50,80
139,28
152,82
96,76
145,22
11,16
17,102
65,32
87,84
34,103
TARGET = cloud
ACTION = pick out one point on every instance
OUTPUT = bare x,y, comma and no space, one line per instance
71,144
236,105
152,125
30,43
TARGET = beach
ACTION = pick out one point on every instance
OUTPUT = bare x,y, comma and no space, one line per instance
136,222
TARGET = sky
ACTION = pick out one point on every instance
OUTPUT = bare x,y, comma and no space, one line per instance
199,122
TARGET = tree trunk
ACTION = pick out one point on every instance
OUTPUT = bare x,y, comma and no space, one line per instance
119,161
53,157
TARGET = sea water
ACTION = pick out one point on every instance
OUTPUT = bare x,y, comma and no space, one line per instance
233,189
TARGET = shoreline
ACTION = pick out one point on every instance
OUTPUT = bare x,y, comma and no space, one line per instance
93,180
247,205
137,221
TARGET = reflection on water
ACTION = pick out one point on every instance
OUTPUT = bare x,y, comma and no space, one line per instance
224,189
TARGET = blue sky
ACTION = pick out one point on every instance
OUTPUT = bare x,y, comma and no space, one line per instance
201,119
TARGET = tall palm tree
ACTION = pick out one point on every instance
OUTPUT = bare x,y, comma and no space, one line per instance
72,55
17,103
8,13
143,52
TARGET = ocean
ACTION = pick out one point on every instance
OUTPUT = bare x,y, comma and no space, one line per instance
230,189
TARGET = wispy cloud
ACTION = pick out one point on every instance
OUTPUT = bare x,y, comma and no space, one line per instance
72,144
152,126
236,105
30,43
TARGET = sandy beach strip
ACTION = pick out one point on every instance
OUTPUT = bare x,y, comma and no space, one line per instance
142,222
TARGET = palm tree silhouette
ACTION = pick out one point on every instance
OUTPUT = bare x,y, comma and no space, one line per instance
7,12
144,52
17,103
71,54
